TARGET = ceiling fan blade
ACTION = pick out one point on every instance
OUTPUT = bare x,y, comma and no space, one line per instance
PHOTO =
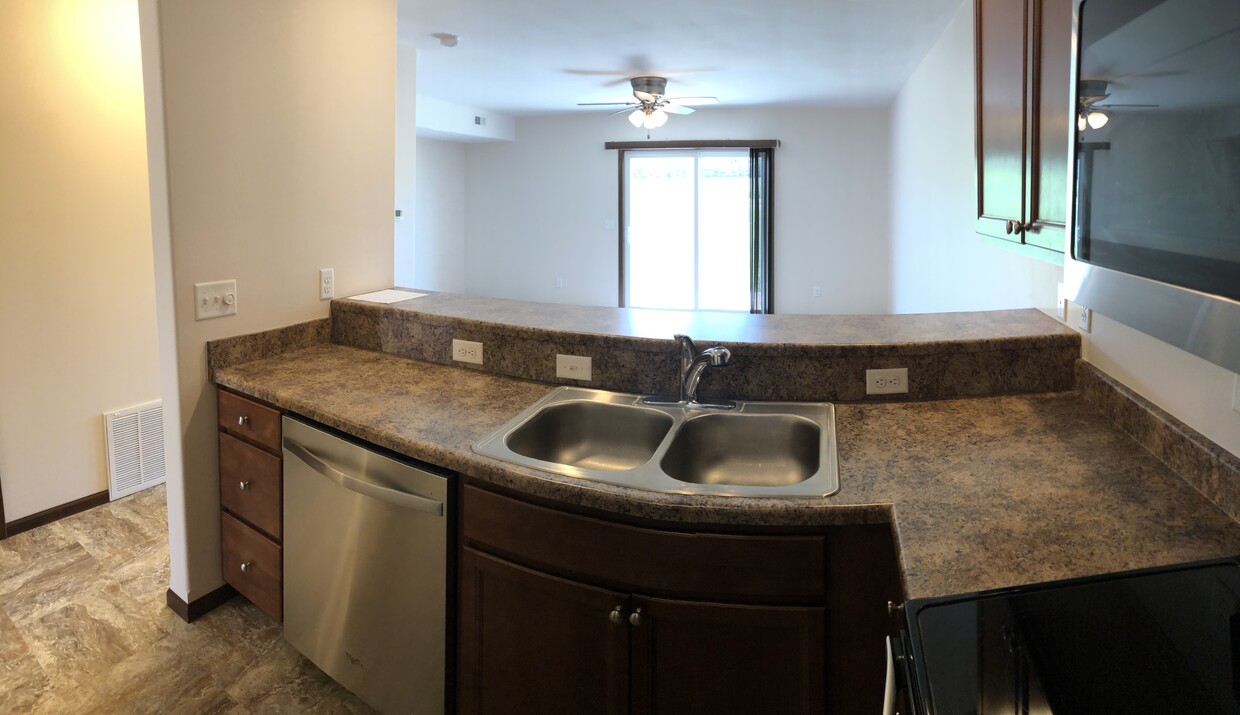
626,110
1108,106
676,108
694,100
643,96
605,104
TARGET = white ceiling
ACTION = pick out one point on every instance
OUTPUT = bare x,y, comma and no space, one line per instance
526,57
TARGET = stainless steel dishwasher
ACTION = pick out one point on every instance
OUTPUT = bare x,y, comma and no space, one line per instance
366,569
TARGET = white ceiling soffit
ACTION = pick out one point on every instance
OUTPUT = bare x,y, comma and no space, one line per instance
543,56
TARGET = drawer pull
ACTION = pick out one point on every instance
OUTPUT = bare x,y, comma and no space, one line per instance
635,618
245,566
243,486
243,420
617,615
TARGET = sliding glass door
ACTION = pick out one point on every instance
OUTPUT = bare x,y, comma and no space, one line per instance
690,240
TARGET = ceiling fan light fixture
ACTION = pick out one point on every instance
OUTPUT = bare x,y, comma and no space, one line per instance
447,39
1081,122
637,117
1097,119
655,119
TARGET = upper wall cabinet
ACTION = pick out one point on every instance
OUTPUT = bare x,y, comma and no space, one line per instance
1024,122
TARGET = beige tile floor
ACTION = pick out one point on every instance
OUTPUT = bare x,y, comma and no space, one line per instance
84,628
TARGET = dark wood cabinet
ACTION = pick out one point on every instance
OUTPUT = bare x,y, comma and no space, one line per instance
711,658
251,500
534,643
1024,122
567,612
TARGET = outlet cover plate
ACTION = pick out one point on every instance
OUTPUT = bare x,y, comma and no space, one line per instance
215,299
574,367
467,351
327,283
1085,319
886,381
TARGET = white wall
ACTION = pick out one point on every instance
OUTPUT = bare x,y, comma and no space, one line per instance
406,254
439,219
535,209
78,315
938,263
279,120
439,119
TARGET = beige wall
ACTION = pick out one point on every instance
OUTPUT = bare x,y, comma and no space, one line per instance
279,126
77,323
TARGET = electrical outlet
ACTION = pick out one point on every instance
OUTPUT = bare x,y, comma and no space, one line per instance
1235,393
215,300
816,292
559,282
467,351
1085,319
573,367
327,283
887,381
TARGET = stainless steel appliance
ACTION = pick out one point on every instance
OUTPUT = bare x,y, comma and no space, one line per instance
366,564
1164,640
1156,188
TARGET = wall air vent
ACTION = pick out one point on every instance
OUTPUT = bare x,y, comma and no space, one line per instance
134,438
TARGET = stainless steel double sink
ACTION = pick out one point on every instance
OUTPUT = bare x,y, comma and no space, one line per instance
758,449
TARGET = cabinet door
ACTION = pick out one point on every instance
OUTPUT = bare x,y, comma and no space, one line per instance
1001,28
1053,118
710,658
534,643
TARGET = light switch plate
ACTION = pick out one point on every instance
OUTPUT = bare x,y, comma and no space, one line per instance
1061,304
574,367
215,299
1235,393
886,382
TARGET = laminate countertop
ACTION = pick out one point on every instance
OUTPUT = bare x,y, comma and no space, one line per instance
981,492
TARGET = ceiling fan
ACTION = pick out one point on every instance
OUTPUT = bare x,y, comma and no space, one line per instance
1090,113
651,107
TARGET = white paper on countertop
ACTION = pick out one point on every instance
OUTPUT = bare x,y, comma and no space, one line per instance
386,296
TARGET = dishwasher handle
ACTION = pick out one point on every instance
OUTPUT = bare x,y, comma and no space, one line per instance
352,483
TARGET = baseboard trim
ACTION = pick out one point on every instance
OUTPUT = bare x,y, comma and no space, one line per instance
199,607
47,516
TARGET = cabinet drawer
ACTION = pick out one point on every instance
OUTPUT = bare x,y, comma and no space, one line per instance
250,484
766,569
249,419
261,578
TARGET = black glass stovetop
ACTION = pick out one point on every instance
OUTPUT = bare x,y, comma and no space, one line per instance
1155,641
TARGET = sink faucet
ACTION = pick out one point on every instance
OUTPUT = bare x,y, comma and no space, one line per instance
693,364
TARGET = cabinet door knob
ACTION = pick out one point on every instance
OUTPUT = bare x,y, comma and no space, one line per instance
617,615
244,485
635,618
243,420
1007,227
245,566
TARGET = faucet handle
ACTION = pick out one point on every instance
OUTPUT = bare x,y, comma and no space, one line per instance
717,355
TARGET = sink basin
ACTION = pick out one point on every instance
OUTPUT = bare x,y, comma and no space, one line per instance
591,435
759,449
745,450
